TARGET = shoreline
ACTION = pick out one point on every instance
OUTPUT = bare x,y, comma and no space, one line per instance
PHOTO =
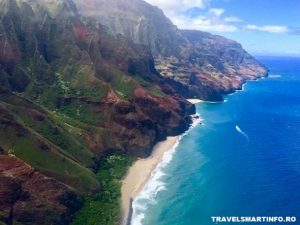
139,173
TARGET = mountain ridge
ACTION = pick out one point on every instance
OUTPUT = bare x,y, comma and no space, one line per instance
206,71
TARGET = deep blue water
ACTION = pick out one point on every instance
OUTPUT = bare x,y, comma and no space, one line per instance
217,171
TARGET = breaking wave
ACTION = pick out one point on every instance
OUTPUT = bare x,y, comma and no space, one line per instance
155,184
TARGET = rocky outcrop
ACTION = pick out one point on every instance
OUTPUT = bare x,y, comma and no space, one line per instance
139,125
28,197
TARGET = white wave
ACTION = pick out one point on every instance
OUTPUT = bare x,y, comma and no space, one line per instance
274,76
238,90
242,88
155,184
241,132
211,102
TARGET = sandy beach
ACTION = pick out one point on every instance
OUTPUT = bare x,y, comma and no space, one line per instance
139,173
194,100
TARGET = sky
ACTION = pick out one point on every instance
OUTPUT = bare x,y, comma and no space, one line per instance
263,27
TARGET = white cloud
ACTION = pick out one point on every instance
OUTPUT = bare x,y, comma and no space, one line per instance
270,29
177,5
233,19
217,12
209,19
212,21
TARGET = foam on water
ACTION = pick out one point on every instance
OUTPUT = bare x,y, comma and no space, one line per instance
155,184
274,76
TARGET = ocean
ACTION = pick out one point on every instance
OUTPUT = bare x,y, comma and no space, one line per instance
243,160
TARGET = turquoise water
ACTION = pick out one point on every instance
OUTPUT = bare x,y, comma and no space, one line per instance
244,160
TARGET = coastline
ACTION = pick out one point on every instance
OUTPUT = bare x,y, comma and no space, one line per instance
139,173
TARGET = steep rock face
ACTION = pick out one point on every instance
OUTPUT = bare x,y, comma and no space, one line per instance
28,197
207,65
136,127
137,20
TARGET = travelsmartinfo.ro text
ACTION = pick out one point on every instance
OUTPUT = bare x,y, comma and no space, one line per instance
253,219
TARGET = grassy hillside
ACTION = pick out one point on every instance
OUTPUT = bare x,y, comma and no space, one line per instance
28,132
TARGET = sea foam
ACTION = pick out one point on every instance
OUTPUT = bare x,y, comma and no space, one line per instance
274,76
155,184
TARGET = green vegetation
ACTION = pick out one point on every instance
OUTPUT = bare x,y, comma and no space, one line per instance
104,208
63,85
123,85
57,133
150,88
32,150
94,93
43,141
154,91
60,166
80,86
82,112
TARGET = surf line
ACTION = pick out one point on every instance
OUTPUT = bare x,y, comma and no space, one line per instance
148,193
241,132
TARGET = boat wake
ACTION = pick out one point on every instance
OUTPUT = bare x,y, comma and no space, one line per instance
154,185
241,132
